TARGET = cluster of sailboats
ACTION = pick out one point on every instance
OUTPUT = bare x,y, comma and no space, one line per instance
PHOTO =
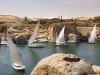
61,40
17,61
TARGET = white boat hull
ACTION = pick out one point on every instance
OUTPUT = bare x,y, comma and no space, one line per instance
18,67
59,44
71,41
4,42
42,40
91,42
36,46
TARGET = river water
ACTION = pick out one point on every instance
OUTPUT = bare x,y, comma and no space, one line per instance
31,56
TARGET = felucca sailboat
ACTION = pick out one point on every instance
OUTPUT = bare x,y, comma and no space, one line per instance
60,39
32,41
93,36
17,60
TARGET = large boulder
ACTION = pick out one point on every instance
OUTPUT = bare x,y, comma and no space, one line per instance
64,64
20,39
72,37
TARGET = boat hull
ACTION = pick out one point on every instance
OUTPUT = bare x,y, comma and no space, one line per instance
36,46
71,41
42,40
18,67
59,44
4,42
91,42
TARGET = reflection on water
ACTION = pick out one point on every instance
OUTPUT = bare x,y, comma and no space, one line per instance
18,72
31,56
90,52
69,49
60,49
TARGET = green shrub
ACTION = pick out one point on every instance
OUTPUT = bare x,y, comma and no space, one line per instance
2,27
98,24
96,19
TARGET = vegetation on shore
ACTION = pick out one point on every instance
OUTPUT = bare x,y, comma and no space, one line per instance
96,19
2,27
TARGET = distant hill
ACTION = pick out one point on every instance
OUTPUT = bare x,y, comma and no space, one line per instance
9,18
83,18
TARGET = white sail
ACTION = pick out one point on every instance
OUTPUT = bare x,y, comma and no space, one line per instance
93,36
60,38
15,55
34,34
32,41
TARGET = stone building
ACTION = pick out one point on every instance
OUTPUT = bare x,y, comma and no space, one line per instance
69,28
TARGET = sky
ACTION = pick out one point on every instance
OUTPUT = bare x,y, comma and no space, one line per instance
50,8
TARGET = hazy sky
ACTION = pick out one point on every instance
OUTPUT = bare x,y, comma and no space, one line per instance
50,8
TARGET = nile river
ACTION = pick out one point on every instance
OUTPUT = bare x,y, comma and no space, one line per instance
31,56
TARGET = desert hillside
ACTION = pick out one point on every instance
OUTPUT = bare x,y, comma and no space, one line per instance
9,18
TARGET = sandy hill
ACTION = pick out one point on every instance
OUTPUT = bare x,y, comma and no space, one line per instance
83,18
9,18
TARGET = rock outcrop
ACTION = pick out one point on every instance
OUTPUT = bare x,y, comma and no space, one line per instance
20,39
72,37
65,64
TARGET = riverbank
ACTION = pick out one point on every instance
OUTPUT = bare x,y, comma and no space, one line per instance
21,28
